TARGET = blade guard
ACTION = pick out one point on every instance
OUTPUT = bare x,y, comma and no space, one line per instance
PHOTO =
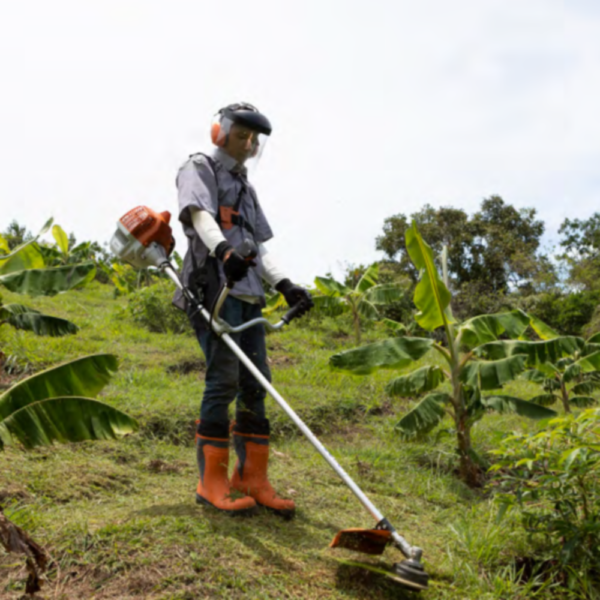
369,541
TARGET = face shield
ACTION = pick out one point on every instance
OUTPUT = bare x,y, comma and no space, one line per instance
242,133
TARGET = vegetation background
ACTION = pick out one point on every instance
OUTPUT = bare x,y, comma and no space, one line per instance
118,518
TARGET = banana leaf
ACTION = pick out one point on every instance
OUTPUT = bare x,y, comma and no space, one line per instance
582,401
393,353
545,332
545,399
586,364
384,293
330,305
491,375
534,375
595,339
432,297
424,416
64,419
488,328
48,282
585,388
30,257
547,351
62,241
20,248
368,310
273,302
331,287
416,383
83,376
28,319
395,325
368,280
509,404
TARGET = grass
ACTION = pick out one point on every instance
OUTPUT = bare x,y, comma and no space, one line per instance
119,518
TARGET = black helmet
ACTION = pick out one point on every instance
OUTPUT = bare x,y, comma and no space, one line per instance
248,115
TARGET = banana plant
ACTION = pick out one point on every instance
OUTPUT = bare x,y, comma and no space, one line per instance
569,378
363,301
470,373
24,271
59,404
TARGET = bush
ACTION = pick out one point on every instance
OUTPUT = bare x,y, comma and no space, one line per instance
567,313
553,479
151,307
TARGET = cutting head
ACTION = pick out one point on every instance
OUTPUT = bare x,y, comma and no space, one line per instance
408,573
143,238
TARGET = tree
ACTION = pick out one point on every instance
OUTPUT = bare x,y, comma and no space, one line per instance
581,244
363,301
442,227
471,366
498,246
15,235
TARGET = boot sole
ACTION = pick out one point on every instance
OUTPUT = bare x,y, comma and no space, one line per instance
244,512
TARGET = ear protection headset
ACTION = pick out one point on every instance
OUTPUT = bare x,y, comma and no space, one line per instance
242,113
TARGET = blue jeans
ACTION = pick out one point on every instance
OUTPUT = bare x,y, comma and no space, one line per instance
226,378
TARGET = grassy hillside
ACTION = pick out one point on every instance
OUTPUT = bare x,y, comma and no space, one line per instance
119,518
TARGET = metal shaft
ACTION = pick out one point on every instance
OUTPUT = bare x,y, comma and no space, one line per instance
408,550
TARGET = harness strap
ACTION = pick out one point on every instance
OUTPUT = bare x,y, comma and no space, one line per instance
227,216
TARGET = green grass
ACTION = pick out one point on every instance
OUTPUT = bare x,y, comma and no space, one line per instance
119,518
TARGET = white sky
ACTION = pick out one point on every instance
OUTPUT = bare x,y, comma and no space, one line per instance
378,107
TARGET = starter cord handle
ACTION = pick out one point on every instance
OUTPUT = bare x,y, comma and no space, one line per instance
293,312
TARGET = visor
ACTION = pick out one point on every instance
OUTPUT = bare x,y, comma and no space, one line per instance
243,134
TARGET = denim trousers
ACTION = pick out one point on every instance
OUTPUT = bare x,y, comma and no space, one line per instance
226,378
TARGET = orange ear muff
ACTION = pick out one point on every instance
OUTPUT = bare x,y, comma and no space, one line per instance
218,139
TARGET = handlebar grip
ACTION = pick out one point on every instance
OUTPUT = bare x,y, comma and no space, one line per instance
247,249
293,312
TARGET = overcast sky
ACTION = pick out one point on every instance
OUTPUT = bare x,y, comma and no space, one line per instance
378,107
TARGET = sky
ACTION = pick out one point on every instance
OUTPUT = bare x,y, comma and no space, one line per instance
378,107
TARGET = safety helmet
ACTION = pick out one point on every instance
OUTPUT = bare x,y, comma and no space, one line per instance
242,131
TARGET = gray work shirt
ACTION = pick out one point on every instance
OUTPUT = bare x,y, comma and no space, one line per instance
199,187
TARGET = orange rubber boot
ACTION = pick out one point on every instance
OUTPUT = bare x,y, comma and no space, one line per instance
214,488
250,473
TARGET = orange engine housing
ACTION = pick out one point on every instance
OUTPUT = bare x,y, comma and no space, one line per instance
147,226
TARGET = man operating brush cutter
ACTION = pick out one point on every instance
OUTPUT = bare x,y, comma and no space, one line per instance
226,230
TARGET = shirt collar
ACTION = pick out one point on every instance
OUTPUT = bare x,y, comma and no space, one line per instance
228,161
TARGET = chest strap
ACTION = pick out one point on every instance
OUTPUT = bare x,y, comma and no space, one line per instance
229,216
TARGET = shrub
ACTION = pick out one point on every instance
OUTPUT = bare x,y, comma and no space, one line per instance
567,313
553,479
151,307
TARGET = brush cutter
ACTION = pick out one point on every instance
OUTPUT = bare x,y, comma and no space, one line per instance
144,239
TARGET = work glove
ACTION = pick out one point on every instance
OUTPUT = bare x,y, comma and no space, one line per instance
294,294
235,266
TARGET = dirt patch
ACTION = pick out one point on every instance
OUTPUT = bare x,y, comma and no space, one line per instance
176,430
160,466
384,409
13,494
282,361
187,367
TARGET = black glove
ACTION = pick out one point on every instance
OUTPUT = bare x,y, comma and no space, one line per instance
294,294
235,266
